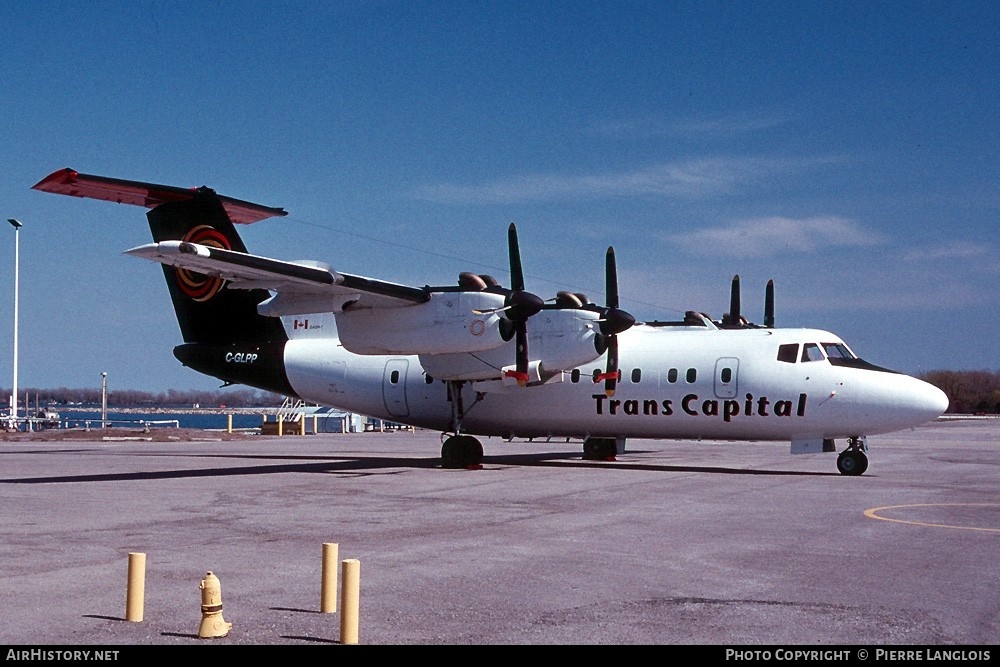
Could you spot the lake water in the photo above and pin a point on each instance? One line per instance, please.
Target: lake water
(74, 418)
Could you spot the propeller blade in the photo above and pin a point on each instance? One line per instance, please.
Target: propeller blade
(769, 305)
(611, 376)
(516, 274)
(520, 372)
(732, 318)
(611, 278)
(613, 319)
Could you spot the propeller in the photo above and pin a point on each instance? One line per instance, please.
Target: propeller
(612, 322)
(519, 305)
(733, 319)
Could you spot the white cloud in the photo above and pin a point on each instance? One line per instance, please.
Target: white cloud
(720, 126)
(953, 250)
(777, 235)
(692, 179)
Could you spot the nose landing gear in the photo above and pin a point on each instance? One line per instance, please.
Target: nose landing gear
(854, 460)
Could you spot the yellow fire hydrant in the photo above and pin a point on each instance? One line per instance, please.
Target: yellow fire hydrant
(212, 623)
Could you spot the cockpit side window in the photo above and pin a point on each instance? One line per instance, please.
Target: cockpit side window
(838, 351)
(788, 353)
(811, 352)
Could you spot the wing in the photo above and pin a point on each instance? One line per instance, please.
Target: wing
(300, 287)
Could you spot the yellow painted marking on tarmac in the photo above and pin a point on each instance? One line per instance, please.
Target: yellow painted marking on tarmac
(873, 514)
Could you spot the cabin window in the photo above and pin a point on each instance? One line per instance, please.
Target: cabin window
(636, 375)
(726, 375)
(394, 377)
(691, 376)
(672, 375)
(788, 353)
(575, 375)
(597, 374)
(811, 352)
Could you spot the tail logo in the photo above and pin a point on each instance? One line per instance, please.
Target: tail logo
(198, 286)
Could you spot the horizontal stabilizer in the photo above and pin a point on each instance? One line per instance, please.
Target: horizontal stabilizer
(298, 284)
(137, 193)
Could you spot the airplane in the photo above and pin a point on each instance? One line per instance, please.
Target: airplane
(476, 358)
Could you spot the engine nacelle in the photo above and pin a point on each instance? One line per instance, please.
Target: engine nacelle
(447, 323)
(557, 340)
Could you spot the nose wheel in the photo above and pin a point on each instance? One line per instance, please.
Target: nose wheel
(853, 461)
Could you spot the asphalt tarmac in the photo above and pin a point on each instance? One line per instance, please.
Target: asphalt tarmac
(697, 543)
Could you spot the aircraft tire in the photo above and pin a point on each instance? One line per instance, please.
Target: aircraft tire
(597, 449)
(461, 451)
(852, 462)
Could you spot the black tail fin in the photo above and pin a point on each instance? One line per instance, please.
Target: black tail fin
(206, 311)
(224, 335)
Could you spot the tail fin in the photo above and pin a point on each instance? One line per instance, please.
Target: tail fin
(224, 335)
(206, 311)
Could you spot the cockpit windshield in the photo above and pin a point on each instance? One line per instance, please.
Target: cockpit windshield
(838, 351)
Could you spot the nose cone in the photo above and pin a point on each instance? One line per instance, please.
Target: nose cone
(884, 402)
(935, 400)
(922, 401)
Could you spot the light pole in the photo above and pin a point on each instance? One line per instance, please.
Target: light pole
(104, 400)
(17, 262)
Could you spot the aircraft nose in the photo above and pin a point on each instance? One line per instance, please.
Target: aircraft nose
(939, 400)
(929, 400)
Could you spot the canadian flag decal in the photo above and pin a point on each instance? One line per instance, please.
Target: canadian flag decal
(301, 324)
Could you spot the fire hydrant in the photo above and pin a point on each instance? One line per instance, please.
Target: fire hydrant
(212, 623)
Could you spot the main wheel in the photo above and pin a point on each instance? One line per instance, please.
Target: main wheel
(461, 451)
(852, 462)
(598, 449)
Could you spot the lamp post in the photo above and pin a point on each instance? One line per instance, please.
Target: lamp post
(104, 400)
(17, 262)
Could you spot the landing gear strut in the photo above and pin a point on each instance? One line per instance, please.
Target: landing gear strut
(853, 460)
(459, 451)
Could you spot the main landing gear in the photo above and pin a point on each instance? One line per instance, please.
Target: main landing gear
(459, 451)
(854, 460)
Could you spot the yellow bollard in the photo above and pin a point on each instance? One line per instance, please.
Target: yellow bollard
(328, 592)
(349, 601)
(315, 424)
(229, 423)
(302, 424)
(212, 623)
(135, 595)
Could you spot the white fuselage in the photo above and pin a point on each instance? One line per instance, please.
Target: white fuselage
(676, 382)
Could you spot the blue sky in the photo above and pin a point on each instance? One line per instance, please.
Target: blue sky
(848, 150)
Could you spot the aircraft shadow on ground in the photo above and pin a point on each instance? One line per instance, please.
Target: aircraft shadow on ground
(383, 465)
